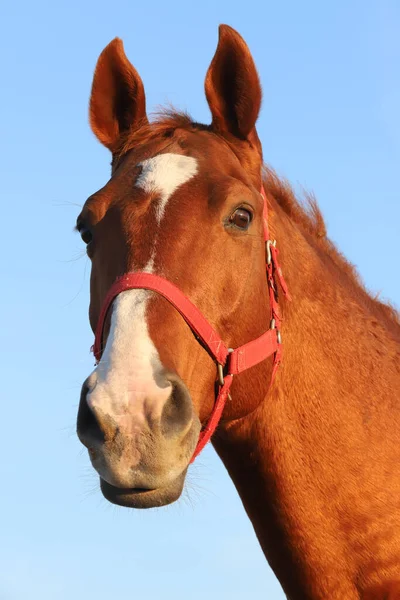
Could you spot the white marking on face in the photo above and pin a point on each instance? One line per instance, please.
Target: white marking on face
(130, 360)
(164, 174)
(126, 374)
(125, 386)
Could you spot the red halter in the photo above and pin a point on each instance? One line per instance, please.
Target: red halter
(229, 361)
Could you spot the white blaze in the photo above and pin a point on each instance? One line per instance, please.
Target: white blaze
(125, 380)
(125, 376)
(164, 174)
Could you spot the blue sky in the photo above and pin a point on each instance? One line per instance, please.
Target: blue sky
(330, 122)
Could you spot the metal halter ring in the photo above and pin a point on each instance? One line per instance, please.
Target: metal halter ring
(220, 370)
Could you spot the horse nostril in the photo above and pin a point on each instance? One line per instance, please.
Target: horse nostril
(88, 427)
(177, 413)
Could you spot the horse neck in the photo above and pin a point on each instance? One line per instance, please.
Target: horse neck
(304, 462)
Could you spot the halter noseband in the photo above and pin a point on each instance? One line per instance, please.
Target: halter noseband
(229, 361)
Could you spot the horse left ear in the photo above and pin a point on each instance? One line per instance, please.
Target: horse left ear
(232, 87)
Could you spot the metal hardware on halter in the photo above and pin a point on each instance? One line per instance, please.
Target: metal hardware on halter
(278, 331)
(220, 370)
(268, 245)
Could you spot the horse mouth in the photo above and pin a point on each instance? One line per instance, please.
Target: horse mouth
(143, 497)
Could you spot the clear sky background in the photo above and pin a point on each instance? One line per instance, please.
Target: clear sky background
(330, 122)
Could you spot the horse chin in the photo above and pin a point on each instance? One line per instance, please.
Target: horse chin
(143, 498)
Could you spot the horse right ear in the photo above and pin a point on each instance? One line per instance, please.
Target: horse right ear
(117, 102)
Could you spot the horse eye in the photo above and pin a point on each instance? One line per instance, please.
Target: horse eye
(85, 235)
(241, 218)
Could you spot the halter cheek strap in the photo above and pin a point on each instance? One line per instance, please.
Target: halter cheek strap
(229, 361)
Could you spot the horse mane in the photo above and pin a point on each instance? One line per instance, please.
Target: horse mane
(305, 213)
(308, 216)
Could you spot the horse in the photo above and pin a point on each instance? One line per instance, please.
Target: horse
(193, 319)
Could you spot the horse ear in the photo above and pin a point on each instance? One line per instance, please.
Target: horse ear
(118, 101)
(232, 86)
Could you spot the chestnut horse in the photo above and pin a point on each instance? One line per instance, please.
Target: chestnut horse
(315, 456)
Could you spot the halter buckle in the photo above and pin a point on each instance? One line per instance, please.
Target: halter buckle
(268, 245)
